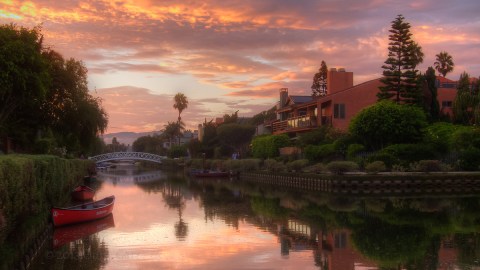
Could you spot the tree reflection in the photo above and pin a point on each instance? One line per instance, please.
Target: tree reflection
(87, 253)
(173, 198)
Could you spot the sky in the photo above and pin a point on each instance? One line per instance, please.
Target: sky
(230, 55)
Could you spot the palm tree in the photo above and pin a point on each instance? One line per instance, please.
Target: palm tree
(181, 103)
(444, 63)
(173, 130)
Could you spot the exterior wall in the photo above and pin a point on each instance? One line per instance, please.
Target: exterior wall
(355, 99)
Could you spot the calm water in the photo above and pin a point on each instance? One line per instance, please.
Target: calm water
(167, 221)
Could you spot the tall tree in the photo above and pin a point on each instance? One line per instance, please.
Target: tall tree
(444, 63)
(181, 103)
(431, 105)
(465, 101)
(319, 85)
(23, 76)
(399, 73)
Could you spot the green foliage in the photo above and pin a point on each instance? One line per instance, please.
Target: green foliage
(341, 167)
(297, 165)
(440, 135)
(235, 137)
(315, 168)
(324, 152)
(430, 100)
(429, 166)
(386, 123)
(268, 146)
(242, 165)
(180, 104)
(149, 144)
(466, 105)
(354, 149)
(388, 159)
(319, 85)
(469, 159)
(177, 151)
(399, 73)
(444, 63)
(269, 208)
(404, 154)
(273, 165)
(465, 137)
(29, 187)
(375, 167)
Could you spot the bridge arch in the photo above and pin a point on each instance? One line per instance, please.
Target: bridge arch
(127, 156)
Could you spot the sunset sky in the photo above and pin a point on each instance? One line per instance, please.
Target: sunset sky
(234, 55)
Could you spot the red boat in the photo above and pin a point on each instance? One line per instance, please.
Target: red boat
(66, 234)
(83, 212)
(83, 193)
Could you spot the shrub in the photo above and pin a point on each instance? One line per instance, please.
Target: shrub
(273, 165)
(267, 146)
(388, 159)
(429, 166)
(354, 149)
(469, 159)
(177, 151)
(320, 152)
(404, 154)
(340, 167)
(375, 167)
(316, 168)
(297, 165)
(250, 164)
(386, 123)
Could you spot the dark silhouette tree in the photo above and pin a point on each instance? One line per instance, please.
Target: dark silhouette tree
(444, 63)
(431, 105)
(181, 103)
(466, 101)
(399, 73)
(319, 85)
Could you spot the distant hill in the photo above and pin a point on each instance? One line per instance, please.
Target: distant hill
(127, 138)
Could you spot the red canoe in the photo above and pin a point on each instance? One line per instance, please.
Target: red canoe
(83, 212)
(66, 234)
(83, 193)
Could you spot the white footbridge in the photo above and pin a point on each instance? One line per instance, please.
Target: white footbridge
(127, 156)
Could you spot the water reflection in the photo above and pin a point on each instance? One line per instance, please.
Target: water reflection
(167, 220)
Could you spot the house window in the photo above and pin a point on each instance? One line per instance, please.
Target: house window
(339, 111)
(447, 104)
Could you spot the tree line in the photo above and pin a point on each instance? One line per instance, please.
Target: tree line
(45, 105)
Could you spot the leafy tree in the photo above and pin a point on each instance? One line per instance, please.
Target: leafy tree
(268, 146)
(319, 85)
(181, 103)
(466, 102)
(386, 123)
(235, 136)
(210, 139)
(263, 116)
(399, 71)
(23, 77)
(173, 130)
(430, 101)
(233, 118)
(149, 144)
(444, 63)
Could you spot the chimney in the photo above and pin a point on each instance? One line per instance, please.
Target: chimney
(338, 80)
(283, 97)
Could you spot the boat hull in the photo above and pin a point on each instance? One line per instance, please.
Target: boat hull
(66, 234)
(83, 193)
(83, 212)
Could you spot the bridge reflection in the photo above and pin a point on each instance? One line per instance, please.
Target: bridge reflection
(130, 176)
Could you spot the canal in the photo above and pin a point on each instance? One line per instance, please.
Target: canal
(165, 220)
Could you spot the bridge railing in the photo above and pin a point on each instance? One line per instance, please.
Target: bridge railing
(127, 155)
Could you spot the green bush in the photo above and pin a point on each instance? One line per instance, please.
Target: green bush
(273, 165)
(429, 166)
(340, 167)
(388, 159)
(386, 123)
(375, 167)
(316, 168)
(324, 152)
(267, 146)
(404, 154)
(297, 165)
(177, 151)
(353, 150)
(469, 159)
